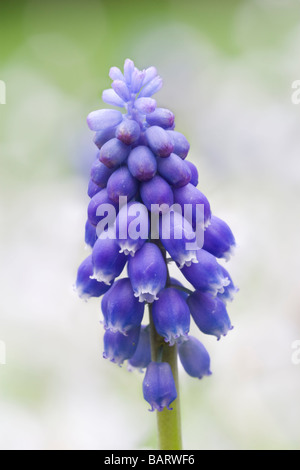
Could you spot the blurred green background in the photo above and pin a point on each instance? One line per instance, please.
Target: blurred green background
(228, 68)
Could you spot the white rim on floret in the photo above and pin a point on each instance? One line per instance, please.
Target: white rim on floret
(100, 276)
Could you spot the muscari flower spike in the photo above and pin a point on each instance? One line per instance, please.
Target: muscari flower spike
(142, 158)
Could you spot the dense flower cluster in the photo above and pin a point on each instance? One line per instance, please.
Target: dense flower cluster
(142, 160)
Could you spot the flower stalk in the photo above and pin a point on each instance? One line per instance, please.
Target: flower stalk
(168, 421)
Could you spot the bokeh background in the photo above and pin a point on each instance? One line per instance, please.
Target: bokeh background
(228, 68)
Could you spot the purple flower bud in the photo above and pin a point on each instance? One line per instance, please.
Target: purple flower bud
(85, 286)
(159, 387)
(142, 163)
(209, 314)
(142, 356)
(110, 97)
(101, 137)
(171, 315)
(194, 358)
(230, 290)
(207, 275)
(100, 198)
(137, 79)
(219, 239)
(191, 197)
(161, 117)
(145, 105)
(132, 227)
(108, 262)
(181, 145)
(152, 87)
(150, 73)
(148, 273)
(121, 90)
(174, 170)
(121, 183)
(128, 70)
(100, 173)
(128, 131)
(116, 74)
(194, 173)
(113, 153)
(121, 309)
(93, 189)
(156, 192)
(90, 234)
(178, 238)
(118, 347)
(159, 141)
(103, 119)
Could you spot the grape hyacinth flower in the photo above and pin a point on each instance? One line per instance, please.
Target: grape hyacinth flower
(159, 387)
(145, 210)
(194, 357)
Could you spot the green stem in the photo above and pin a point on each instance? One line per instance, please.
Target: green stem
(168, 421)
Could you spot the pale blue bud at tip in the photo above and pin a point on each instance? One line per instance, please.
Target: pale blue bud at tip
(150, 74)
(121, 90)
(103, 119)
(116, 74)
(171, 315)
(128, 70)
(159, 387)
(194, 358)
(110, 97)
(137, 78)
(152, 87)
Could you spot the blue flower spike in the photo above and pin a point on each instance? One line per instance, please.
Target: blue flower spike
(145, 210)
